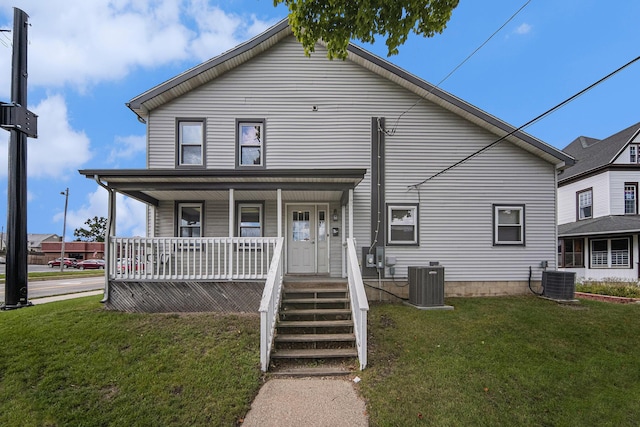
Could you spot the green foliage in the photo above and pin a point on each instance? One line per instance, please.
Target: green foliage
(97, 229)
(336, 22)
(507, 361)
(627, 291)
(71, 363)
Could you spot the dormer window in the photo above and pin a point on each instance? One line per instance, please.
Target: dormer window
(633, 153)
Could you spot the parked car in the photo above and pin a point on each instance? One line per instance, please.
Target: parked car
(68, 262)
(89, 264)
(128, 264)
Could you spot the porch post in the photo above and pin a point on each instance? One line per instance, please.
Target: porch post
(109, 250)
(344, 241)
(279, 212)
(231, 221)
(351, 213)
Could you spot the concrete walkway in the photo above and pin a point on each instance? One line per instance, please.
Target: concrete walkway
(44, 300)
(307, 402)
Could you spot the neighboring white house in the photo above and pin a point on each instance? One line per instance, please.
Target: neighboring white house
(263, 142)
(598, 221)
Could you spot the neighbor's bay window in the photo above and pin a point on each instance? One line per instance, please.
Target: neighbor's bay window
(585, 204)
(571, 253)
(190, 142)
(630, 198)
(250, 143)
(189, 219)
(607, 253)
(402, 224)
(508, 225)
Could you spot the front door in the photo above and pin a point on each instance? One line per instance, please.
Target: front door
(307, 245)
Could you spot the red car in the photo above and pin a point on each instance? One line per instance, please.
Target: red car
(87, 264)
(68, 262)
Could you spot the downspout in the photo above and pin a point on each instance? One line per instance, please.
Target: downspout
(107, 238)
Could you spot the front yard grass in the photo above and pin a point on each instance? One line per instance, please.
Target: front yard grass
(73, 363)
(508, 361)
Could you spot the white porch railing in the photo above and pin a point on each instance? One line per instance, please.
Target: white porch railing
(359, 303)
(193, 258)
(270, 304)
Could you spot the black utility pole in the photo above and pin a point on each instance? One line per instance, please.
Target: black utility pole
(21, 123)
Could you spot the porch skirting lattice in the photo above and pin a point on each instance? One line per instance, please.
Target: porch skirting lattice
(166, 296)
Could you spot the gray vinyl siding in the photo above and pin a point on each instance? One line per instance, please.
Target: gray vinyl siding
(282, 86)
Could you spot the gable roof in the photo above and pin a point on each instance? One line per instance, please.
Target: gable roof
(215, 67)
(604, 225)
(593, 154)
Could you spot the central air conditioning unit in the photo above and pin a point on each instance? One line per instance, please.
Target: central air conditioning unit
(559, 285)
(426, 286)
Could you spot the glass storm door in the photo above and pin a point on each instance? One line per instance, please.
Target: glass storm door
(301, 248)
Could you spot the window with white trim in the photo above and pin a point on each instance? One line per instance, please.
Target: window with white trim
(585, 204)
(508, 223)
(250, 140)
(250, 219)
(611, 253)
(190, 142)
(189, 219)
(630, 198)
(402, 224)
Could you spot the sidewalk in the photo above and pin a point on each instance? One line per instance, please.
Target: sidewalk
(308, 402)
(44, 300)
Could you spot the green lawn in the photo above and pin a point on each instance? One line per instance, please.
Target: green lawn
(509, 361)
(72, 363)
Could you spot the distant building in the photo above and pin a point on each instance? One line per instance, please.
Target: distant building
(78, 250)
(34, 241)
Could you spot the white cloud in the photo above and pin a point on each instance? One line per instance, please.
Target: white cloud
(130, 216)
(524, 29)
(127, 147)
(59, 149)
(80, 42)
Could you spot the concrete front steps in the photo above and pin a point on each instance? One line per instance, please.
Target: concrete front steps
(314, 332)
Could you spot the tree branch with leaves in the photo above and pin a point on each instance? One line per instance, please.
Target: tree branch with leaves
(95, 231)
(336, 22)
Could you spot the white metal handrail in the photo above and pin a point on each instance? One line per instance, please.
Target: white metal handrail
(359, 302)
(193, 258)
(270, 304)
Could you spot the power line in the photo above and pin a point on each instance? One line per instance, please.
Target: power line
(530, 122)
(395, 125)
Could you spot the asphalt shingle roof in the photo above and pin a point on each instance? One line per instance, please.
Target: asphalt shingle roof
(612, 224)
(592, 154)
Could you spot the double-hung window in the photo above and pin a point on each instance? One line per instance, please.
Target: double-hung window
(250, 143)
(508, 221)
(189, 219)
(190, 144)
(250, 219)
(634, 156)
(402, 224)
(606, 253)
(630, 198)
(585, 204)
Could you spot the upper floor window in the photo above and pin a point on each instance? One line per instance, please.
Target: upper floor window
(249, 220)
(630, 198)
(508, 224)
(189, 219)
(402, 228)
(634, 156)
(190, 142)
(585, 204)
(250, 143)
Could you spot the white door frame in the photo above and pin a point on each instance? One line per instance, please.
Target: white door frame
(315, 206)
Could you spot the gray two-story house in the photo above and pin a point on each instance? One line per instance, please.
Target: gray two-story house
(262, 145)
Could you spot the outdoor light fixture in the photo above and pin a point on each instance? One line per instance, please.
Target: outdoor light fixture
(335, 215)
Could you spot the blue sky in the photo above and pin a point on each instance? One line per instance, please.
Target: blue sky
(88, 58)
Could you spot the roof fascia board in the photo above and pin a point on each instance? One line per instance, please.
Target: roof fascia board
(597, 171)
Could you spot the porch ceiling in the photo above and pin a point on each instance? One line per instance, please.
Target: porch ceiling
(152, 185)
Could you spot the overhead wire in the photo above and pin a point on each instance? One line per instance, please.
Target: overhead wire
(395, 125)
(529, 123)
